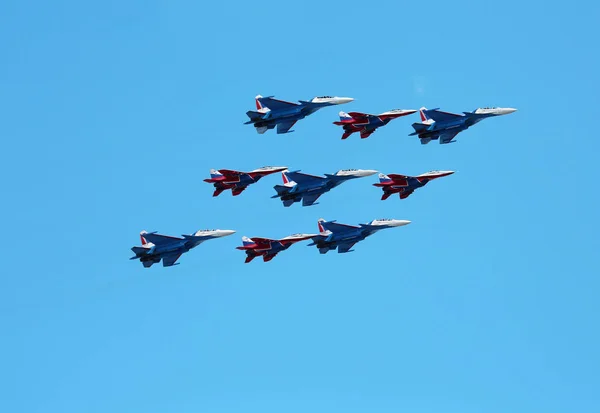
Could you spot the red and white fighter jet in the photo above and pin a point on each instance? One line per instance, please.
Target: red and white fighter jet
(404, 185)
(365, 123)
(269, 248)
(238, 181)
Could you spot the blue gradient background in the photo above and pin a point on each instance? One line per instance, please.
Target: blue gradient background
(114, 112)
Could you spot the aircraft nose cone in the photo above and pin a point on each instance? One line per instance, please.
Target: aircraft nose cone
(340, 101)
(401, 222)
(366, 172)
(227, 232)
(506, 111)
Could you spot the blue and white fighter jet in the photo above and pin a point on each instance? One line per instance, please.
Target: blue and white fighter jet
(156, 246)
(272, 112)
(343, 237)
(444, 126)
(308, 188)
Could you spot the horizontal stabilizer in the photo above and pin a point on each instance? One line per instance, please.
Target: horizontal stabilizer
(281, 189)
(139, 251)
(420, 127)
(254, 115)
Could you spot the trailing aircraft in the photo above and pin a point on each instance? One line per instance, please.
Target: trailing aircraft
(156, 246)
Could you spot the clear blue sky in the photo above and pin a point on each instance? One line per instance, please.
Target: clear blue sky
(113, 113)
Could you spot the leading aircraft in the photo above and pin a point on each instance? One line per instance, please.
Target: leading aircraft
(365, 123)
(343, 237)
(238, 181)
(444, 126)
(404, 185)
(269, 248)
(308, 188)
(156, 246)
(271, 112)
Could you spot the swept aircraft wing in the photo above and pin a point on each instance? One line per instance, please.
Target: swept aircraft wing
(308, 200)
(398, 177)
(284, 127)
(231, 174)
(169, 260)
(276, 104)
(301, 178)
(335, 227)
(158, 239)
(345, 247)
(439, 116)
(263, 242)
(360, 115)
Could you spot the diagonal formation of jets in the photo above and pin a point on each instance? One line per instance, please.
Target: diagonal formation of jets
(299, 187)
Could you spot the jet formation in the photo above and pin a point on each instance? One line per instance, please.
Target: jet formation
(404, 185)
(238, 181)
(298, 186)
(366, 124)
(444, 126)
(156, 246)
(271, 112)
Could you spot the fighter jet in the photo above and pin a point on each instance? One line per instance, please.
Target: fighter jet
(444, 126)
(272, 112)
(342, 237)
(308, 188)
(238, 181)
(404, 185)
(267, 247)
(156, 247)
(365, 123)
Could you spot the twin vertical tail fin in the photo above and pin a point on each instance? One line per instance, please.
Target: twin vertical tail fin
(344, 116)
(144, 242)
(383, 178)
(320, 225)
(424, 118)
(215, 174)
(247, 241)
(259, 105)
(286, 179)
(322, 229)
(145, 249)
